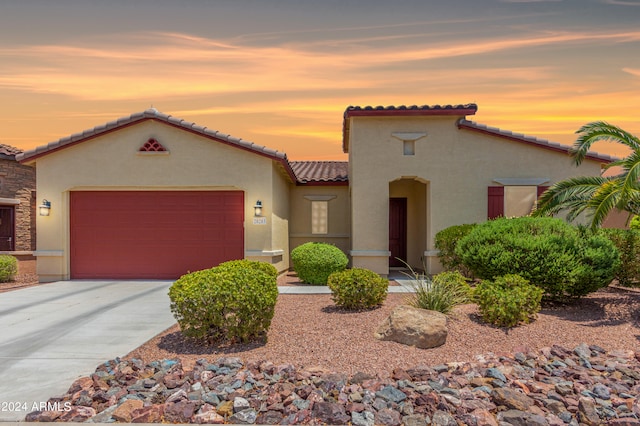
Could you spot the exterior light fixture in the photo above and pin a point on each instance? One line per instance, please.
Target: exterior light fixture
(258, 208)
(45, 208)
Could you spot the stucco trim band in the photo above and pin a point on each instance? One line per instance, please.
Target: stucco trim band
(263, 253)
(49, 253)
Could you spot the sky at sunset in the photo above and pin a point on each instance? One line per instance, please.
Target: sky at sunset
(281, 73)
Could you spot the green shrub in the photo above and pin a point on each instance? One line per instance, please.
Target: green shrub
(314, 262)
(446, 242)
(8, 268)
(635, 222)
(441, 293)
(229, 303)
(563, 260)
(627, 241)
(508, 301)
(358, 288)
(265, 267)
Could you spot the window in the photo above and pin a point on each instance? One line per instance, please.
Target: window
(319, 217)
(519, 200)
(513, 200)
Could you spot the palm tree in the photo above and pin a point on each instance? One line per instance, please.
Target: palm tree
(597, 196)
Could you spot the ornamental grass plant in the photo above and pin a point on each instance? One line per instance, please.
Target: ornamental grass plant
(441, 293)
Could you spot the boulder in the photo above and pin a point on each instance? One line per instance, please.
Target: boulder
(414, 327)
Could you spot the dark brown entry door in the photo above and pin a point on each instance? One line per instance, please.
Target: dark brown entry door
(397, 231)
(7, 227)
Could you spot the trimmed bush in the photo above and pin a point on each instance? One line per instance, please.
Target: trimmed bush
(255, 265)
(508, 301)
(8, 268)
(563, 260)
(231, 303)
(314, 262)
(446, 242)
(634, 223)
(442, 293)
(627, 241)
(358, 288)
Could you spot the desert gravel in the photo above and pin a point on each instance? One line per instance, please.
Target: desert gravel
(309, 331)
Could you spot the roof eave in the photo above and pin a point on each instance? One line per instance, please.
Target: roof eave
(29, 157)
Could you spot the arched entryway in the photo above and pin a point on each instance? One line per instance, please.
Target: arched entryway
(408, 221)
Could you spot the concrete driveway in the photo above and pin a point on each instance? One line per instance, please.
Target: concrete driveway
(54, 333)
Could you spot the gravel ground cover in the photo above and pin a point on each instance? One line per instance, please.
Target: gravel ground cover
(309, 331)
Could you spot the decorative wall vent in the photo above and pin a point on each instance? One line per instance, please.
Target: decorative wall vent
(152, 145)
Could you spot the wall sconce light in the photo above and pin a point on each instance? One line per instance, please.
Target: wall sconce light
(45, 208)
(258, 208)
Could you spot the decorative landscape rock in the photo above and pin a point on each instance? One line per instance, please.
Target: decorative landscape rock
(554, 386)
(414, 327)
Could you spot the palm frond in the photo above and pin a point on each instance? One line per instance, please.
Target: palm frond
(604, 200)
(568, 194)
(600, 131)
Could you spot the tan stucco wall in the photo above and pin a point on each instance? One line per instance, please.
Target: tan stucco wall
(276, 249)
(112, 162)
(339, 216)
(458, 166)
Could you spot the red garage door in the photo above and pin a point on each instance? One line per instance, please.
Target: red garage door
(153, 234)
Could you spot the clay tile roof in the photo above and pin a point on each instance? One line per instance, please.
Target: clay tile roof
(8, 151)
(401, 111)
(519, 137)
(154, 114)
(320, 171)
(460, 109)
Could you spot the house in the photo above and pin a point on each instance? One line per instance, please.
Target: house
(17, 205)
(154, 196)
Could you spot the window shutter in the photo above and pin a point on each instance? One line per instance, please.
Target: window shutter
(541, 189)
(495, 202)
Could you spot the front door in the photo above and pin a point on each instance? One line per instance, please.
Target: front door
(397, 231)
(6, 228)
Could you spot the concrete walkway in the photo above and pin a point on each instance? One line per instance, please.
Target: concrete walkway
(404, 287)
(54, 333)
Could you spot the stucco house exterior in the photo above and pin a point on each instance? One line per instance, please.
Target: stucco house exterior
(154, 196)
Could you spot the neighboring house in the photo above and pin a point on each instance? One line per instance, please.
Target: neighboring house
(154, 196)
(17, 205)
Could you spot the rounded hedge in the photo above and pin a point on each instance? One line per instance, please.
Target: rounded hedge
(508, 301)
(314, 262)
(358, 288)
(265, 267)
(227, 303)
(8, 268)
(565, 261)
(446, 242)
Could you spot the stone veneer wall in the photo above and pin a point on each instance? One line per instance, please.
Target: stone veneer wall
(18, 182)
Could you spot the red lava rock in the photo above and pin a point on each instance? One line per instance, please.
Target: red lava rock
(150, 414)
(82, 383)
(43, 416)
(179, 412)
(124, 412)
(77, 414)
(444, 394)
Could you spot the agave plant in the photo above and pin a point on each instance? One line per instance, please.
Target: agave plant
(597, 196)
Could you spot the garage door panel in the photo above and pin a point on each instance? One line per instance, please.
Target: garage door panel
(154, 234)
